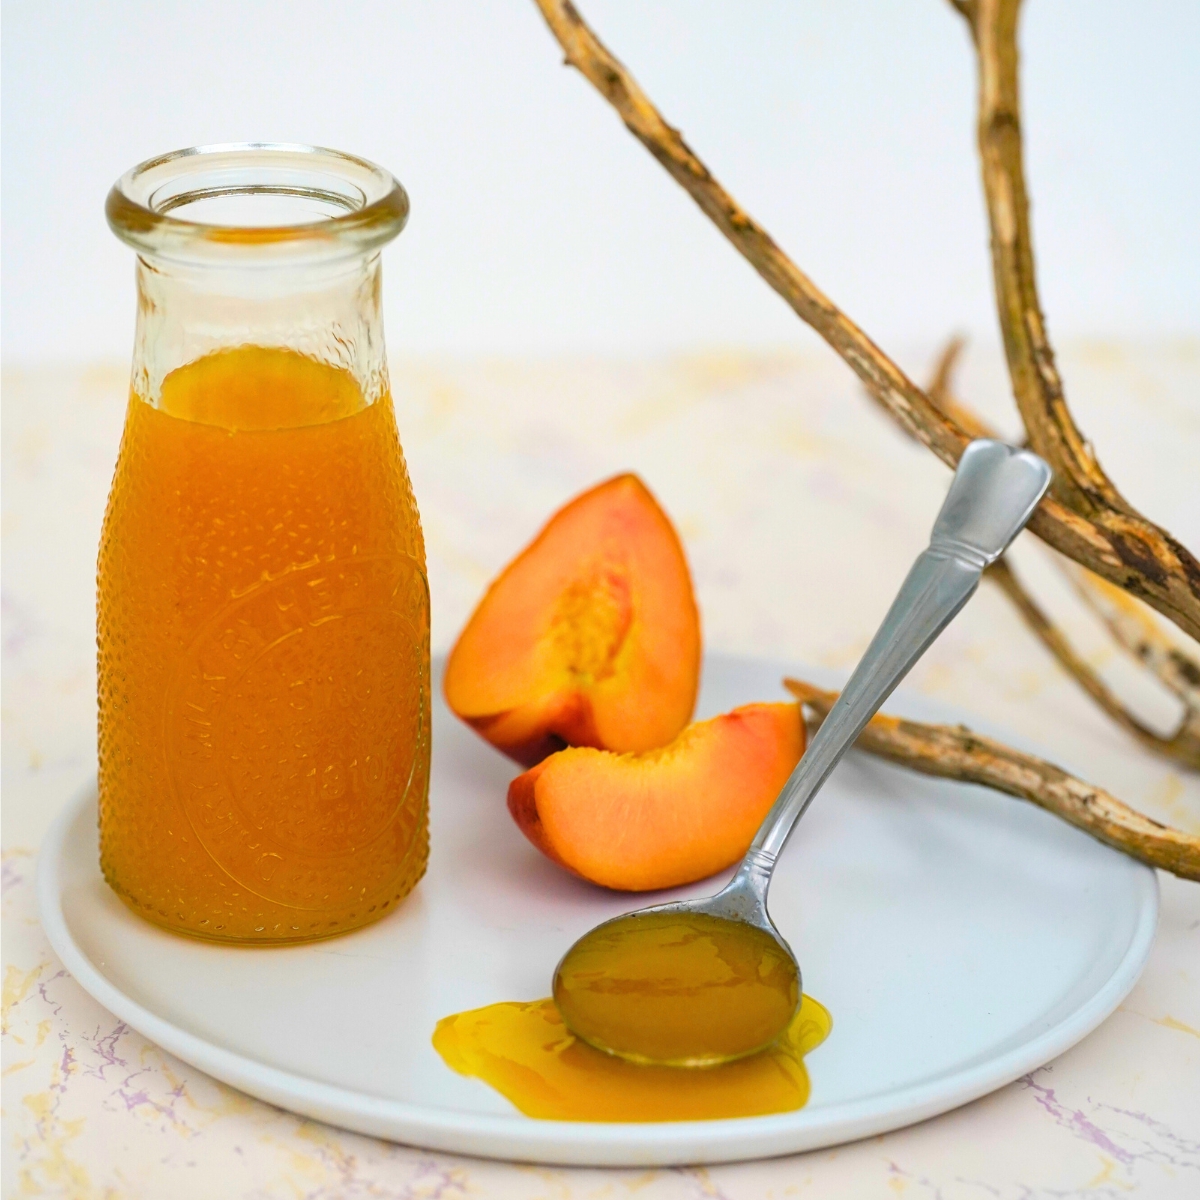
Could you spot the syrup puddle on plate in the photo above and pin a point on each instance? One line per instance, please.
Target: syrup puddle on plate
(527, 1054)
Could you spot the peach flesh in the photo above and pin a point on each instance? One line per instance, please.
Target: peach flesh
(639, 822)
(590, 637)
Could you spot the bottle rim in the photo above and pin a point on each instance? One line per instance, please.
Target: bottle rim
(359, 205)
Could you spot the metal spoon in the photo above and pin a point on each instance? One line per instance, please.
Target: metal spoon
(625, 987)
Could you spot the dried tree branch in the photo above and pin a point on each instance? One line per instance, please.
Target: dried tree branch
(883, 378)
(1135, 629)
(954, 752)
(1183, 746)
(1079, 480)
(967, 9)
(1037, 386)
(1119, 547)
(940, 391)
(1131, 626)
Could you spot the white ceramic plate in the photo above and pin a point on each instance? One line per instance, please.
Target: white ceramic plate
(959, 938)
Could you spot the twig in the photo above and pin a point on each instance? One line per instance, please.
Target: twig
(954, 752)
(941, 394)
(1079, 480)
(967, 9)
(1183, 746)
(1131, 626)
(1135, 629)
(1037, 385)
(1120, 546)
(885, 381)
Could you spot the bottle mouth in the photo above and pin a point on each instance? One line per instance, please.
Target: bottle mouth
(256, 201)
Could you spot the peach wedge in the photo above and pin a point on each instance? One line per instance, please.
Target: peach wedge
(590, 637)
(639, 822)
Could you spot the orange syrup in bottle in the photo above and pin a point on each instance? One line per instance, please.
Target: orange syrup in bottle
(263, 631)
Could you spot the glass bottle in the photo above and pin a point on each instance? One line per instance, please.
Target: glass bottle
(263, 609)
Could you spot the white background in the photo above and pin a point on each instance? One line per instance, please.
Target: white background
(540, 226)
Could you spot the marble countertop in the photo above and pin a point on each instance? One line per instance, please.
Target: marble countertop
(801, 508)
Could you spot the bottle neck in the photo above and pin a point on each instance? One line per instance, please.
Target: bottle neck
(328, 311)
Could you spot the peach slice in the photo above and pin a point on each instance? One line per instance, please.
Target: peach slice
(638, 822)
(589, 637)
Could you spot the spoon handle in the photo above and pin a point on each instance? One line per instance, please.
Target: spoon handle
(993, 494)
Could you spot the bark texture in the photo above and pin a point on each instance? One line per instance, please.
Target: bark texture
(954, 752)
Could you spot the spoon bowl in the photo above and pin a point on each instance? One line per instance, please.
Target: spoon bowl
(700, 982)
(683, 985)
